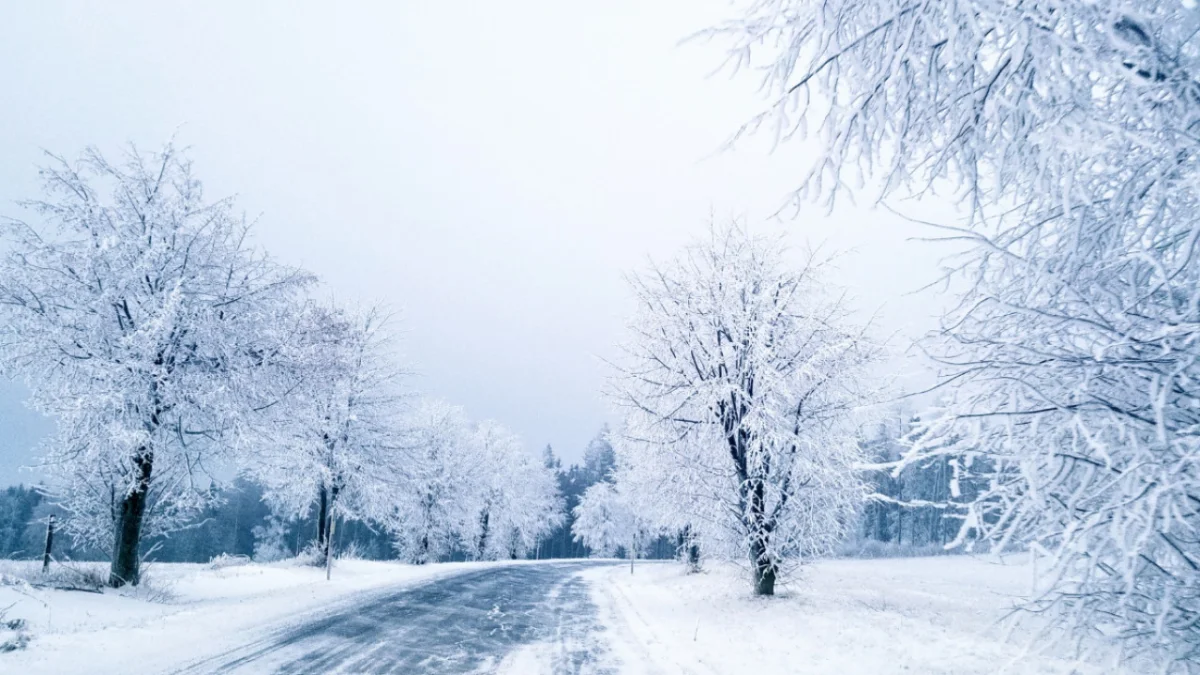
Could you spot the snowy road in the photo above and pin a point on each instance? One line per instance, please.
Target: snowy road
(472, 622)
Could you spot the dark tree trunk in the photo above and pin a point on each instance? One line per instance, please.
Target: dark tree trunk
(760, 532)
(126, 563)
(764, 573)
(483, 534)
(327, 531)
(322, 515)
(751, 495)
(881, 522)
(423, 555)
(689, 550)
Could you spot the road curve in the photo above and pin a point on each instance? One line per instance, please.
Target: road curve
(465, 623)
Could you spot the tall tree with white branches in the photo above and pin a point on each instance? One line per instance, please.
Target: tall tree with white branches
(437, 509)
(517, 497)
(607, 519)
(147, 326)
(336, 441)
(742, 378)
(1068, 128)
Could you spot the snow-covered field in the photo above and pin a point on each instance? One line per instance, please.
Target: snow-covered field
(914, 615)
(191, 612)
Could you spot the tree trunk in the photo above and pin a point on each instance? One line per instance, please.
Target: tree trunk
(328, 529)
(689, 550)
(322, 515)
(760, 532)
(764, 569)
(423, 552)
(126, 563)
(329, 549)
(483, 534)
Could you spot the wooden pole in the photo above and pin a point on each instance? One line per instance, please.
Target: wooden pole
(49, 544)
(329, 547)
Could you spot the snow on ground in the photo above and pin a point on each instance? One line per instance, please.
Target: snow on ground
(188, 612)
(912, 615)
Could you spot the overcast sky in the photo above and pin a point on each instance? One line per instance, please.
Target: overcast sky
(489, 169)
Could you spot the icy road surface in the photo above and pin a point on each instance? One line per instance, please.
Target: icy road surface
(465, 623)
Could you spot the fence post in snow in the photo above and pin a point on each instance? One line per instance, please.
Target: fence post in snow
(49, 544)
(329, 547)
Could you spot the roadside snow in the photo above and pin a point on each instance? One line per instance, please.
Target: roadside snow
(196, 611)
(914, 615)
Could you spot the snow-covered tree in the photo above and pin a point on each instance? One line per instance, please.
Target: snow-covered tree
(660, 481)
(437, 509)
(336, 440)
(599, 459)
(573, 481)
(740, 384)
(146, 325)
(536, 509)
(1068, 128)
(518, 500)
(606, 520)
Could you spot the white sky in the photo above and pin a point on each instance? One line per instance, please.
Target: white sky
(489, 169)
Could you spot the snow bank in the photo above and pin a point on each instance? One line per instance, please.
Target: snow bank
(918, 615)
(191, 612)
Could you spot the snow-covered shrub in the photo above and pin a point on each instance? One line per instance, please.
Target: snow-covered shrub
(351, 552)
(270, 541)
(226, 560)
(312, 555)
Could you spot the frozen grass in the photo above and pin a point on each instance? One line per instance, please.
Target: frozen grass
(67, 575)
(89, 577)
(908, 615)
(13, 633)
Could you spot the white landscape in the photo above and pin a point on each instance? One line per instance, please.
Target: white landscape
(501, 337)
(193, 611)
(919, 615)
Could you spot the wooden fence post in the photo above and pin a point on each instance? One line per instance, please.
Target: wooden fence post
(49, 544)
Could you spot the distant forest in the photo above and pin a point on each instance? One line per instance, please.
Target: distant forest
(241, 523)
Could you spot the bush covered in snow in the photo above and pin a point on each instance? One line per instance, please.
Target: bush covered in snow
(225, 560)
